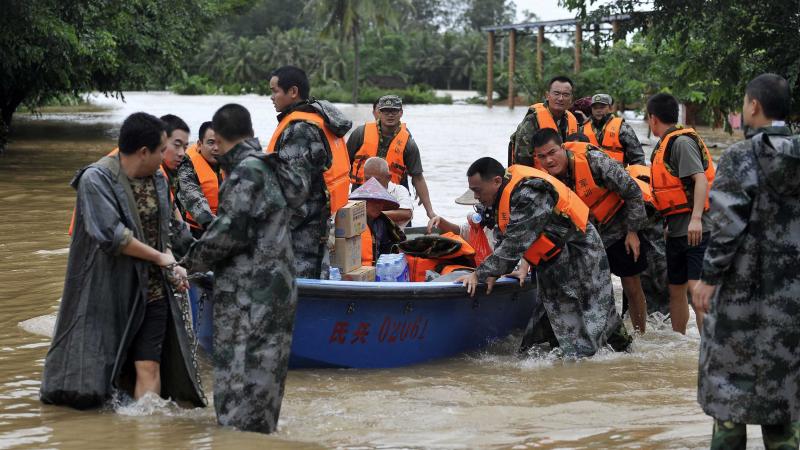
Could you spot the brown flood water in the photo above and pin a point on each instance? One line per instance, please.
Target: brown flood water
(491, 399)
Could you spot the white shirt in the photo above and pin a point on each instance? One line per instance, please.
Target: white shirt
(401, 194)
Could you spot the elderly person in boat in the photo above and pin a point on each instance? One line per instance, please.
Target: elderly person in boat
(378, 168)
(539, 219)
(382, 234)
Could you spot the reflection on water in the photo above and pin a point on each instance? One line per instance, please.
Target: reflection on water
(491, 399)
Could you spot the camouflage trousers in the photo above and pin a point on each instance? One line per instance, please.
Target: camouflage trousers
(575, 289)
(654, 279)
(732, 436)
(310, 248)
(252, 343)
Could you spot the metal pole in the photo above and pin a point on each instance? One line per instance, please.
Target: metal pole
(578, 42)
(512, 57)
(540, 52)
(490, 71)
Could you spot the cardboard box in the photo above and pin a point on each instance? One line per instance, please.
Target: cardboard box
(351, 219)
(363, 273)
(347, 254)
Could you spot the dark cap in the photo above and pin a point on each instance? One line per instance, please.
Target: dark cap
(602, 98)
(390, 102)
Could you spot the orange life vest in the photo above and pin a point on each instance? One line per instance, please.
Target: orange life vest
(602, 202)
(568, 204)
(367, 248)
(641, 175)
(209, 182)
(610, 145)
(668, 193)
(369, 148)
(418, 265)
(112, 153)
(579, 147)
(545, 119)
(336, 176)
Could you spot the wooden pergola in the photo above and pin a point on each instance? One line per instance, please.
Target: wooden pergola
(540, 28)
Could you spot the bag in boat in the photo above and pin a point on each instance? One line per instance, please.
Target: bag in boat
(444, 254)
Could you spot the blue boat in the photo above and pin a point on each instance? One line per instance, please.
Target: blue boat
(380, 325)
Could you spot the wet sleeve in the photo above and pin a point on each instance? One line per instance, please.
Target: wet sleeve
(100, 210)
(529, 212)
(354, 142)
(191, 194)
(231, 232)
(411, 158)
(634, 154)
(523, 148)
(685, 157)
(613, 177)
(731, 203)
(303, 157)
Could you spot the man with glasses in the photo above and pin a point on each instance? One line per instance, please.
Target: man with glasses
(553, 113)
(389, 139)
(199, 178)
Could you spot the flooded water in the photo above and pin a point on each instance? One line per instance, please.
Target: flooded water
(492, 399)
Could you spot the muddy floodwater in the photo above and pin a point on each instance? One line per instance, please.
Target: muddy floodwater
(491, 399)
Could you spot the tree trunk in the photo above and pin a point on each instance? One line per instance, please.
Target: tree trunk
(9, 106)
(356, 64)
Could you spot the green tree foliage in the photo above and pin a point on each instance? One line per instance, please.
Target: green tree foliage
(348, 19)
(49, 47)
(707, 50)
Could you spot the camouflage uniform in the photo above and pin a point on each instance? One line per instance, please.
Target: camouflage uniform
(654, 280)
(191, 195)
(521, 143)
(749, 368)
(304, 155)
(575, 286)
(608, 174)
(632, 148)
(255, 295)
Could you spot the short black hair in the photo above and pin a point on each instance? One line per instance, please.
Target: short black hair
(487, 168)
(578, 137)
(375, 104)
(203, 128)
(772, 92)
(664, 106)
(232, 122)
(289, 76)
(561, 79)
(140, 130)
(173, 123)
(544, 136)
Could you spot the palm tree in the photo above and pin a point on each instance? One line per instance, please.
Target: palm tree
(468, 56)
(347, 19)
(244, 62)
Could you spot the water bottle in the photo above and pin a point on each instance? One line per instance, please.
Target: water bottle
(403, 268)
(334, 274)
(477, 218)
(380, 271)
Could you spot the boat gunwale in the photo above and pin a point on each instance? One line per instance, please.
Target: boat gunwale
(346, 290)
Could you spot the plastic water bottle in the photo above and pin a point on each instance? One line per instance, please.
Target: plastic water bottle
(380, 271)
(403, 276)
(477, 218)
(334, 274)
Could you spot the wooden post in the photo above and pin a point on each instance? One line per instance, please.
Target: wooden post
(540, 52)
(490, 71)
(615, 30)
(597, 39)
(512, 58)
(578, 42)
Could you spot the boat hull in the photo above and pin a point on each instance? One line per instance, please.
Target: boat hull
(381, 325)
